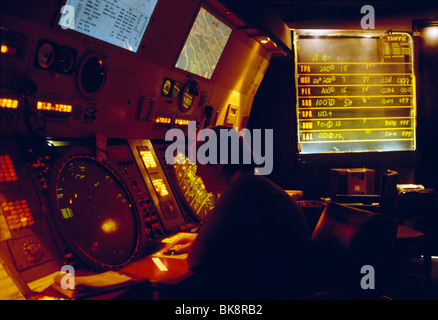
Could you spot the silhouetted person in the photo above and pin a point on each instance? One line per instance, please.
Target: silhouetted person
(255, 243)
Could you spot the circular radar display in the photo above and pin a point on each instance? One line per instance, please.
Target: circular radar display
(96, 211)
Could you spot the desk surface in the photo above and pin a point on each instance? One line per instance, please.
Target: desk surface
(156, 269)
(164, 271)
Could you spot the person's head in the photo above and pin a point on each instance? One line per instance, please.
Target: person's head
(221, 153)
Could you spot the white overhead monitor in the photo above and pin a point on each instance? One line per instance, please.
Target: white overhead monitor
(118, 22)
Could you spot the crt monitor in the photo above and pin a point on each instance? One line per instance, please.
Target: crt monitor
(96, 213)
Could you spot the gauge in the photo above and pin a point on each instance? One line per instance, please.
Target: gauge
(32, 251)
(176, 89)
(45, 55)
(166, 91)
(186, 98)
(65, 60)
(92, 74)
(53, 57)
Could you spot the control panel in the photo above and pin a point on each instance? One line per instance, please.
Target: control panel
(158, 185)
(120, 155)
(64, 206)
(26, 243)
(100, 209)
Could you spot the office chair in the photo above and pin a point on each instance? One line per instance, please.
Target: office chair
(415, 211)
(344, 240)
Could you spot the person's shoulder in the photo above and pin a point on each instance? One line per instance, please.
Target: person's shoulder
(253, 184)
(254, 179)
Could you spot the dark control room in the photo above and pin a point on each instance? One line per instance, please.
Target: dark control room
(218, 150)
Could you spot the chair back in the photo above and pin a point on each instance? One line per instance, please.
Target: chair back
(346, 239)
(413, 204)
(418, 206)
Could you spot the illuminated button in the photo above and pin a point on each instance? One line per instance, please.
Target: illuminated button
(7, 170)
(7, 50)
(148, 159)
(160, 187)
(17, 214)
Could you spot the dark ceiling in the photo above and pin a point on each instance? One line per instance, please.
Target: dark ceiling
(306, 10)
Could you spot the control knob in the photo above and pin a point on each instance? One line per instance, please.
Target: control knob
(32, 250)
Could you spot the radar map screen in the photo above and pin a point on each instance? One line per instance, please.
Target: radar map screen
(192, 188)
(97, 213)
(204, 45)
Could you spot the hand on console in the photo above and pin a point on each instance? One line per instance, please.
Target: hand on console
(180, 246)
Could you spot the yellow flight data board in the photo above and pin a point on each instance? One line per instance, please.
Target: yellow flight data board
(355, 92)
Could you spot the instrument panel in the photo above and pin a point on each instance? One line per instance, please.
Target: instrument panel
(26, 240)
(101, 206)
(95, 207)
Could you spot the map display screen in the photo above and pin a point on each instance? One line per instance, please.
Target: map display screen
(204, 45)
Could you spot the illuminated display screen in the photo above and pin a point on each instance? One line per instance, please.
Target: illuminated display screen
(204, 45)
(56, 107)
(193, 189)
(7, 170)
(181, 122)
(97, 212)
(8, 103)
(355, 93)
(164, 120)
(119, 22)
